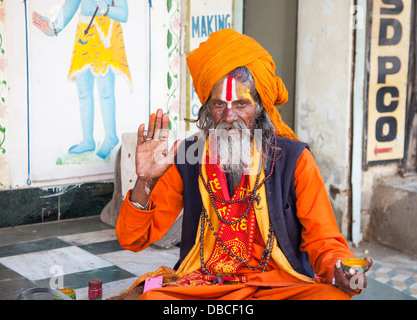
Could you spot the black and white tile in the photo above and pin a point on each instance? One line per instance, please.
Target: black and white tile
(72, 260)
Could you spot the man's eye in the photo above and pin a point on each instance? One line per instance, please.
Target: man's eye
(219, 103)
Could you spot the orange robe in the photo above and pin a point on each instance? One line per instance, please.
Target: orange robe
(321, 239)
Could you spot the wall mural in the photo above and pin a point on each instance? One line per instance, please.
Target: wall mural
(98, 56)
(3, 102)
(76, 109)
(173, 35)
(93, 54)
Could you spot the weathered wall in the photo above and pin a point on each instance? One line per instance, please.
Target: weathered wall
(388, 197)
(323, 94)
(278, 35)
(393, 219)
(371, 178)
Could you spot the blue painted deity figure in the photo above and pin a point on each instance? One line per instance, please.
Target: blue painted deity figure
(98, 56)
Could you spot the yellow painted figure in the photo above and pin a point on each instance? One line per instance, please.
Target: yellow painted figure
(100, 50)
(98, 55)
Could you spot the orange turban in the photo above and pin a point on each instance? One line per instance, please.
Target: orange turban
(226, 50)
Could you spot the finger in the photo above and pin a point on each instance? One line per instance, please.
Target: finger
(370, 263)
(41, 24)
(364, 281)
(165, 127)
(151, 126)
(36, 15)
(158, 124)
(338, 273)
(141, 134)
(36, 19)
(358, 282)
(173, 152)
(340, 277)
(35, 23)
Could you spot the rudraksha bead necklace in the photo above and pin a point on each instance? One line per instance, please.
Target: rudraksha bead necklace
(266, 254)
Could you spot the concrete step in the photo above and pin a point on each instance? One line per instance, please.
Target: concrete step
(393, 220)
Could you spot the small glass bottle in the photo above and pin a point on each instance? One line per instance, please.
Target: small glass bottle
(95, 289)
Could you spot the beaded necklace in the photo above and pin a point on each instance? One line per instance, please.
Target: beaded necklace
(266, 254)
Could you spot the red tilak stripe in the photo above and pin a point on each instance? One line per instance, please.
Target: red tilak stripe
(229, 89)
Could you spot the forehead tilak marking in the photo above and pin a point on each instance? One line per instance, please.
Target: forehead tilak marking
(229, 91)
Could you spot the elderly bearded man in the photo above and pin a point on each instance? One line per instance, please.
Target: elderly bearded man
(257, 220)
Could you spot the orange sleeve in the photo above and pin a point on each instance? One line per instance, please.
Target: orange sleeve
(321, 237)
(137, 229)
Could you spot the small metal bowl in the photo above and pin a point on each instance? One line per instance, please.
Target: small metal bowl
(358, 264)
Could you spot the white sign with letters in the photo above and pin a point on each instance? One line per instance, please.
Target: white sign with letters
(388, 78)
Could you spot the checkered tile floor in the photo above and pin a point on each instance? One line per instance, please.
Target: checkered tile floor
(83, 249)
(397, 276)
(391, 268)
(74, 259)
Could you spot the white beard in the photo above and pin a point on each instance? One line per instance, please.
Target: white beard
(234, 148)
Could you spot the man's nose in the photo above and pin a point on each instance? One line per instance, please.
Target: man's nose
(230, 115)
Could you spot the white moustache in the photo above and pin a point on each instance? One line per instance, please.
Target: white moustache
(233, 142)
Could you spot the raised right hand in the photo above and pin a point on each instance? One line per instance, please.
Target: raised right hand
(152, 158)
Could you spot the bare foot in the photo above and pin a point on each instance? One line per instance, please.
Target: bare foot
(84, 146)
(107, 147)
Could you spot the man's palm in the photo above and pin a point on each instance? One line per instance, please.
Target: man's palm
(152, 158)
